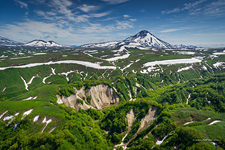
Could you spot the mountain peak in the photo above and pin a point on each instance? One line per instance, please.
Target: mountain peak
(143, 32)
(143, 39)
(42, 43)
(7, 42)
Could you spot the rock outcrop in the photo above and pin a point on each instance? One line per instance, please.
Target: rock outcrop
(130, 119)
(145, 122)
(101, 96)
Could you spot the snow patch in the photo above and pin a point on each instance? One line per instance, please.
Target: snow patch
(3, 114)
(46, 78)
(25, 83)
(120, 50)
(26, 113)
(218, 64)
(66, 74)
(188, 98)
(214, 122)
(4, 89)
(29, 98)
(46, 123)
(52, 130)
(160, 142)
(204, 67)
(188, 123)
(119, 57)
(53, 71)
(39, 53)
(186, 53)
(31, 80)
(36, 118)
(84, 63)
(127, 66)
(172, 62)
(186, 68)
(121, 141)
(8, 118)
(21, 57)
(144, 71)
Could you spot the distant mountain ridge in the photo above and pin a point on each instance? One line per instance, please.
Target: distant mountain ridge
(7, 42)
(42, 43)
(186, 46)
(143, 39)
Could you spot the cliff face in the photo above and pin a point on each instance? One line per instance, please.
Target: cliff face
(130, 119)
(145, 122)
(101, 96)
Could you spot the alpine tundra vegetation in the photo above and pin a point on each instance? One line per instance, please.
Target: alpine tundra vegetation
(112, 75)
(157, 98)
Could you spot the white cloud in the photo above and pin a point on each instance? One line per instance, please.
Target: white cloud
(126, 16)
(29, 30)
(64, 11)
(215, 8)
(123, 25)
(98, 28)
(88, 8)
(22, 4)
(171, 11)
(173, 30)
(169, 30)
(115, 1)
(133, 20)
(97, 15)
(110, 18)
(187, 6)
(192, 5)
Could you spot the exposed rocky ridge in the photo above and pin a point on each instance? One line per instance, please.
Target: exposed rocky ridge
(130, 119)
(146, 121)
(101, 96)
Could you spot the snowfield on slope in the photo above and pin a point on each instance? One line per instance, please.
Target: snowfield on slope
(218, 64)
(84, 63)
(119, 57)
(172, 62)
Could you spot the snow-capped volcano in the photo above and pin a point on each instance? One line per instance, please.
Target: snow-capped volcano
(146, 39)
(41, 43)
(142, 39)
(8, 42)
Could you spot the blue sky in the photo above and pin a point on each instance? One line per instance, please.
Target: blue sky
(76, 22)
